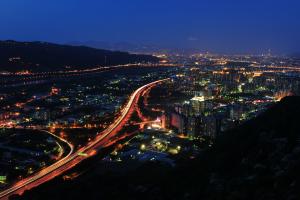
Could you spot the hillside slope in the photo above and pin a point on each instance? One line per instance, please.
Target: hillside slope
(41, 56)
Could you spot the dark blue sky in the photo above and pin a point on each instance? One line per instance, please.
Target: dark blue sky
(216, 25)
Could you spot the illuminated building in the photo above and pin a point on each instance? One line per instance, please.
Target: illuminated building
(178, 122)
(198, 104)
(194, 126)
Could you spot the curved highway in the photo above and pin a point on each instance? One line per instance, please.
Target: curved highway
(74, 158)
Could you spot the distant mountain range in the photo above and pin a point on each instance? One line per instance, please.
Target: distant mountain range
(295, 55)
(135, 48)
(43, 56)
(118, 46)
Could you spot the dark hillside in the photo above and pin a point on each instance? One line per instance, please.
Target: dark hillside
(41, 56)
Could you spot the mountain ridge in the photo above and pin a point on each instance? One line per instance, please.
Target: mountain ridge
(45, 56)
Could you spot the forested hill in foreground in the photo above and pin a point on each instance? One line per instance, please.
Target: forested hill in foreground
(41, 56)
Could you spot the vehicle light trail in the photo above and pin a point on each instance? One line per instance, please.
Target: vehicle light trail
(74, 158)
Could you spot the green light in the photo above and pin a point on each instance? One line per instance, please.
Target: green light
(82, 154)
(2, 178)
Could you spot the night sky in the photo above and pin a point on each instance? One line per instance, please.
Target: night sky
(227, 26)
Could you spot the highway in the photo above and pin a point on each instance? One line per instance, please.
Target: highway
(63, 140)
(14, 79)
(74, 157)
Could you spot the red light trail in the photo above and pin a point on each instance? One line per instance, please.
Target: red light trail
(73, 159)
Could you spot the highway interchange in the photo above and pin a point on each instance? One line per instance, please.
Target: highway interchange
(75, 157)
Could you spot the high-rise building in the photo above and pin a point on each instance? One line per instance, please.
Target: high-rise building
(194, 126)
(178, 121)
(198, 104)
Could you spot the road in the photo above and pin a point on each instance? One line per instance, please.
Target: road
(16, 80)
(62, 140)
(74, 158)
